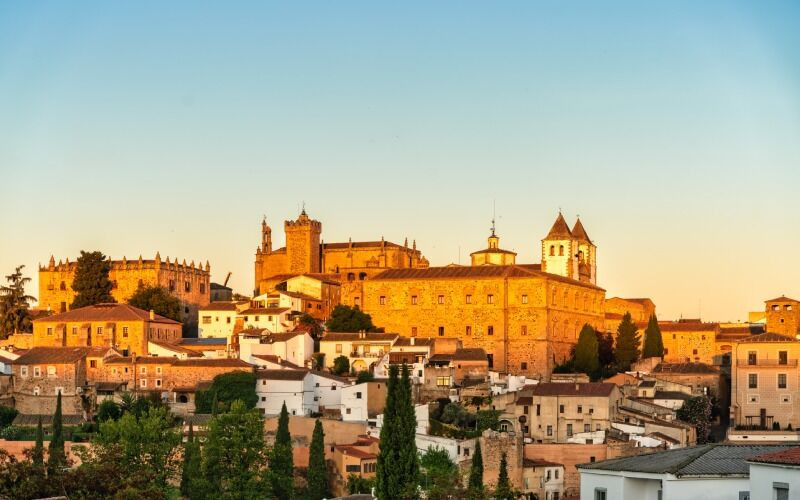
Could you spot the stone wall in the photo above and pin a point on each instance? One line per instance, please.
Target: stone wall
(569, 455)
(67, 378)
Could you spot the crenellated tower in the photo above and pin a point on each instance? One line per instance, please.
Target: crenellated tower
(303, 244)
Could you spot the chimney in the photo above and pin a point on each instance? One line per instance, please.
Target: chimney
(152, 315)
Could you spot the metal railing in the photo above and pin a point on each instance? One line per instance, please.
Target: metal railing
(768, 362)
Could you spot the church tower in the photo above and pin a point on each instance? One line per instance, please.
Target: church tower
(266, 237)
(559, 250)
(303, 244)
(586, 255)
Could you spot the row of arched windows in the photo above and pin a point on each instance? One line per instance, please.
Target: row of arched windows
(575, 302)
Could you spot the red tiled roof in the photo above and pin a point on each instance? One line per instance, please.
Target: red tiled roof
(493, 250)
(560, 230)
(671, 326)
(470, 354)
(277, 360)
(358, 244)
(213, 362)
(105, 312)
(281, 374)
(785, 457)
(768, 337)
(354, 452)
(568, 389)
(535, 462)
(579, 232)
(58, 355)
(264, 310)
(685, 368)
(418, 342)
(298, 295)
(475, 272)
(354, 337)
(783, 298)
(222, 306)
(176, 348)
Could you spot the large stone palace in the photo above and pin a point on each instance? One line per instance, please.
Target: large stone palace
(188, 282)
(306, 253)
(526, 317)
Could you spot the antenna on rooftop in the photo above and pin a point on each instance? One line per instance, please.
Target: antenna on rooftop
(494, 215)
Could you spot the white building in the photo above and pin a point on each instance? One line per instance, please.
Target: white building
(217, 319)
(6, 360)
(295, 347)
(293, 387)
(707, 472)
(776, 476)
(363, 350)
(274, 319)
(329, 390)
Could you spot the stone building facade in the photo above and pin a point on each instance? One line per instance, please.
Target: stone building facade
(188, 282)
(783, 316)
(689, 340)
(305, 253)
(121, 326)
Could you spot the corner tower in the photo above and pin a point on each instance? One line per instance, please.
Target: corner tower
(303, 244)
(586, 254)
(559, 250)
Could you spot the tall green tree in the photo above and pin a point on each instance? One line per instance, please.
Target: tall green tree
(227, 388)
(56, 456)
(157, 299)
(317, 471)
(503, 489)
(91, 283)
(587, 359)
(697, 411)
(653, 343)
(313, 325)
(192, 465)
(605, 348)
(626, 350)
(281, 462)
(408, 458)
(15, 315)
(349, 319)
(387, 477)
(234, 457)
(439, 476)
(38, 450)
(341, 365)
(475, 486)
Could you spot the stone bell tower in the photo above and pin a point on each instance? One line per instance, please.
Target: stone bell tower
(303, 244)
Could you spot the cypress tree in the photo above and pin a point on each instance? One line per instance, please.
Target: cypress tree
(503, 490)
(214, 405)
(653, 343)
(475, 486)
(408, 466)
(317, 472)
(91, 283)
(626, 350)
(387, 483)
(191, 463)
(38, 450)
(56, 456)
(587, 358)
(282, 462)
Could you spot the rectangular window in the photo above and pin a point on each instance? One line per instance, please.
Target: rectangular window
(441, 331)
(338, 348)
(587, 427)
(49, 330)
(524, 330)
(358, 395)
(752, 381)
(413, 300)
(443, 381)
(382, 300)
(468, 330)
(600, 494)
(37, 371)
(580, 408)
(74, 330)
(781, 381)
(780, 491)
(142, 382)
(490, 299)
(440, 299)
(92, 363)
(490, 359)
(413, 331)
(23, 371)
(158, 370)
(550, 430)
(489, 330)
(206, 320)
(561, 409)
(524, 366)
(99, 330)
(524, 298)
(569, 430)
(158, 382)
(538, 410)
(783, 357)
(468, 299)
(143, 370)
(125, 332)
(752, 358)
(187, 286)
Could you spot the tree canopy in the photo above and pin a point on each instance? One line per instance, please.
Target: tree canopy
(159, 300)
(587, 358)
(281, 461)
(475, 486)
(397, 470)
(91, 283)
(227, 388)
(341, 365)
(317, 471)
(626, 350)
(653, 343)
(14, 304)
(697, 411)
(349, 319)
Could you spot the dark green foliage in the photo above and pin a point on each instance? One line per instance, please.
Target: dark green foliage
(192, 465)
(503, 489)
(234, 457)
(586, 352)
(226, 388)
(7, 415)
(408, 459)
(357, 484)
(439, 476)
(314, 327)
(349, 319)
(37, 456)
(56, 456)
(386, 478)
(14, 313)
(317, 472)
(319, 361)
(364, 376)
(108, 410)
(157, 299)
(605, 348)
(626, 350)
(697, 411)
(653, 343)
(475, 486)
(91, 283)
(281, 463)
(341, 365)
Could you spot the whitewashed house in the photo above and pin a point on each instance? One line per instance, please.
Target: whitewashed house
(293, 387)
(294, 347)
(776, 475)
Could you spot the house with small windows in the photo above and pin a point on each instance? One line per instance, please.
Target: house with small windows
(295, 347)
(359, 458)
(295, 388)
(218, 319)
(42, 373)
(775, 475)
(273, 319)
(543, 478)
(764, 386)
(411, 351)
(362, 402)
(363, 349)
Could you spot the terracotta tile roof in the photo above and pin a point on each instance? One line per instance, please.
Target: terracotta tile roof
(685, 368)
(223, 306)
(203, 341)
(281, 374)
(535, 462)
(524, 401)
(282, 337)
(768, 337)
(277, 361)
(298, 295)
(741, 330)
(354, 337)
(560, 230)
(331, 376)
(783, 298)
(672, 395)
(783, 457)
(418, 342)
(595, 389)
(355, 452)
(470, 354)
(23, 420)
(105, 312)
(579, 232)
(681, 326)
(493, 250)
(176, 348)
(358, 244)
(57, 355)
(142, 360)
(213, 362)
(663, 437)
(264, 310)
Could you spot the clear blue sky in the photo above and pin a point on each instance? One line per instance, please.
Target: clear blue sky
(672, 129)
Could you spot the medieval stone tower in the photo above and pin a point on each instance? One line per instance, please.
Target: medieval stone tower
(303, 244)
(569, 253)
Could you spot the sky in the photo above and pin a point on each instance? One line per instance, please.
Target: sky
(672, 129)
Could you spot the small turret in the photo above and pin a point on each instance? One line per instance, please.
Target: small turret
(52, 265)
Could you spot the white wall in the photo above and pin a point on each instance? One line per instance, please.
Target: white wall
(222, 323)
(762, 477)
(422, 412)
(328, 391)
(298, 395)
(354, 408)
(455, 448)
(706, 489)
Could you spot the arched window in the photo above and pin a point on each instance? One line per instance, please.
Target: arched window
(552, 250)
(362, 276)
(561, 250)
(585, 302)
(555, 296)
(183, 398)
(577, 301)
(351, 276)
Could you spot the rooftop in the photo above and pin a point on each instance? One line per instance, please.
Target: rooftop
(281, 374)
(365, 336)
(685, 368)
(782, 457)
(594, 389)
(42, 355)
(768, 337)
(783, 298)
(209, 341)
(697, 461)
(105, 312)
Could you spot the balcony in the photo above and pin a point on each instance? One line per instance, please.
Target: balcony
(768, 363)
(366, 354)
